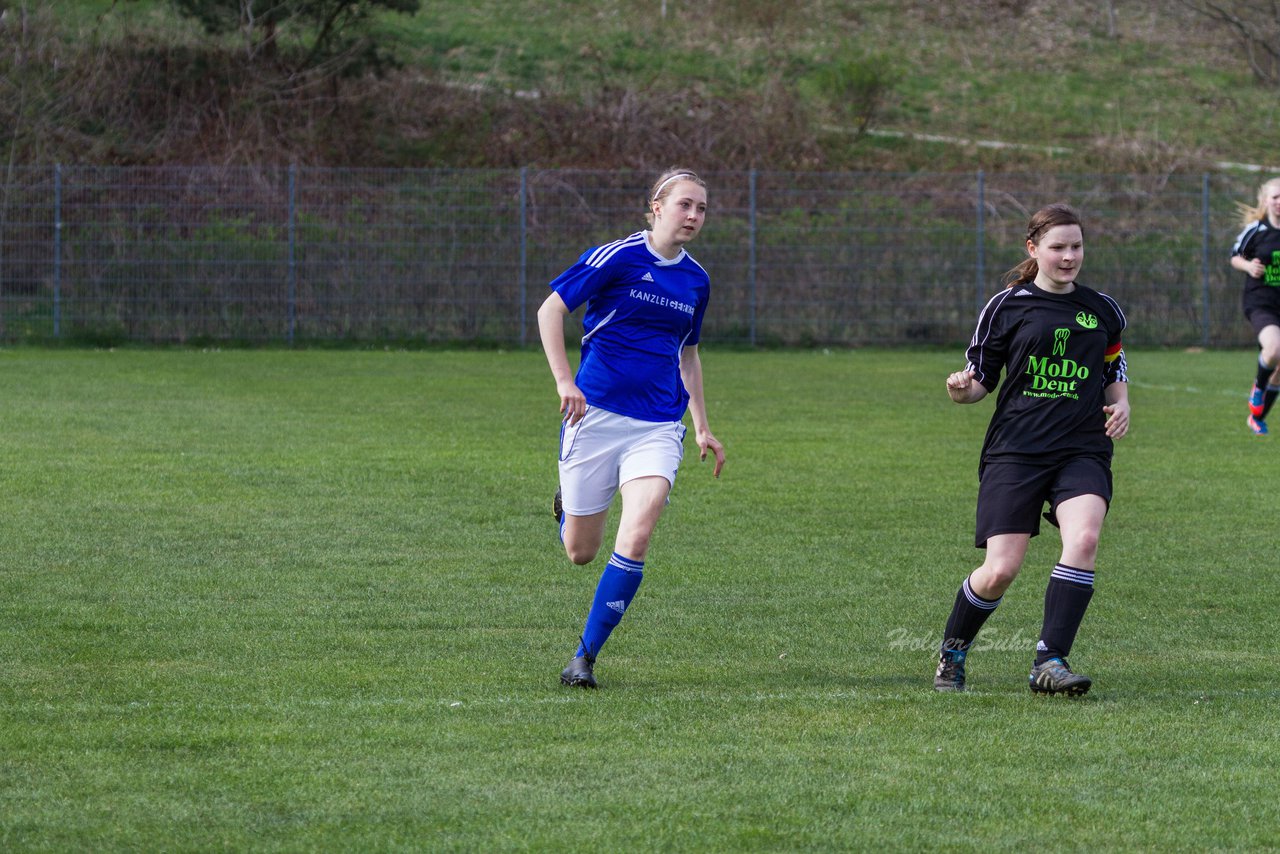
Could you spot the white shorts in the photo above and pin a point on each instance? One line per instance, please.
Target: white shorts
(605, 450)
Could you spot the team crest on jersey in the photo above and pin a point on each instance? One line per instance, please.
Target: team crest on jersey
(1086, 320)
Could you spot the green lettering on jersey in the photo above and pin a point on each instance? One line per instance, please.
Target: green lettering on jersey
(1060, 376)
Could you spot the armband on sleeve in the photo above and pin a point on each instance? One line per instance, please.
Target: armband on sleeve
(1114, 368)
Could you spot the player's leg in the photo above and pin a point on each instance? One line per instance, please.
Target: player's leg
(975, 601)
(646, 472)
(583, 536)
(980, 593)
(1269, 398)
(1268, 368)
(642, 503)
(1009, 500)
(643, 499)
(588, 463)
(1068, 593)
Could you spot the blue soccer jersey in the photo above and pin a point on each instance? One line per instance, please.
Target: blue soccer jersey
(642, 310)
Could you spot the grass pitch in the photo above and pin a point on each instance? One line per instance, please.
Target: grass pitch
(284, 601)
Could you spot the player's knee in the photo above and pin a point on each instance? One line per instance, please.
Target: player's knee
(1084, 543)
(634, 546)
(1000, 574)
(581, 554)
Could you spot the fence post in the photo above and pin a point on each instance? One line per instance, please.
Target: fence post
(293, 262)
(751, 256)
(57, 250)
(981, 236)
(523, 273)
(1204, 261)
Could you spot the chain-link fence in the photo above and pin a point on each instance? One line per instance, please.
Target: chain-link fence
(293, 255)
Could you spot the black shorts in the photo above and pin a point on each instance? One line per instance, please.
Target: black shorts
(1012, 494)
(1260, 318)
(1259, 311)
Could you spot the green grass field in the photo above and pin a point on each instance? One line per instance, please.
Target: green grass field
(290, 601)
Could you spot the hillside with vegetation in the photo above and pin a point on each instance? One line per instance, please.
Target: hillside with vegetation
(1003, 85)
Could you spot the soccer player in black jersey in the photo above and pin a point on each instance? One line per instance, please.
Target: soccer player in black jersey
(1256, 253)
(1063, 400)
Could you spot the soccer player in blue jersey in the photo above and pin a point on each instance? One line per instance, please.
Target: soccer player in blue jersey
(1256, 253)
(621, 428)
(1063, 400)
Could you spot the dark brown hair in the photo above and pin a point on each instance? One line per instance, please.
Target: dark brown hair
(1041, 221)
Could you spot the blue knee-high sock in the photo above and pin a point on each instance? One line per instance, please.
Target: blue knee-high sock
(618, 585)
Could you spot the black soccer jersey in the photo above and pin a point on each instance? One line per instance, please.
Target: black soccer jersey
(1260, 241)
(1059, 352)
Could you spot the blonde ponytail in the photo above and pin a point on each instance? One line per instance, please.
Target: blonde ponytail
(1249, 214)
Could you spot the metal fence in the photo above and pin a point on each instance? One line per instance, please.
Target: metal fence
(295, 255)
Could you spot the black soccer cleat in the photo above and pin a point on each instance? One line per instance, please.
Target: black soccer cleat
(557, 508)
(1055, 677)
(578, 673)
(950, 675)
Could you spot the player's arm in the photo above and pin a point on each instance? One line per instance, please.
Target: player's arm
(1115, 394)
(551, 315)
(963, 387)
(691, 375)
(1250, 267)
(1117, 409)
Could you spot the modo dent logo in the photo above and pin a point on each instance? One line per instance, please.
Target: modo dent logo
(1086, 320)
(1053, 377)
(1056, 375)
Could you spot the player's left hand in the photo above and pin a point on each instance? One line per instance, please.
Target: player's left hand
(707, 442)
(1117, 419)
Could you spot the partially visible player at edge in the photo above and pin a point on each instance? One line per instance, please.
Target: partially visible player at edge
(1256, 253)
(621, 429)
(1063, 400)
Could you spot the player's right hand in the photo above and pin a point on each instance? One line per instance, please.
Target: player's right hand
(573, 403)
(960, 386)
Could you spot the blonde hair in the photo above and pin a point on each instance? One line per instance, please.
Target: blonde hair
(1250, 214)
(1042, 220)
(666, 182)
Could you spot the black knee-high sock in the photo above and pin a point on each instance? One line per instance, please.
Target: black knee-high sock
(1268, 400)
(967, 616)
(1264, 374)
(1065, 601)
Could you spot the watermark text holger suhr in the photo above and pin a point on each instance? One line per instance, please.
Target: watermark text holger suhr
(990, 640)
